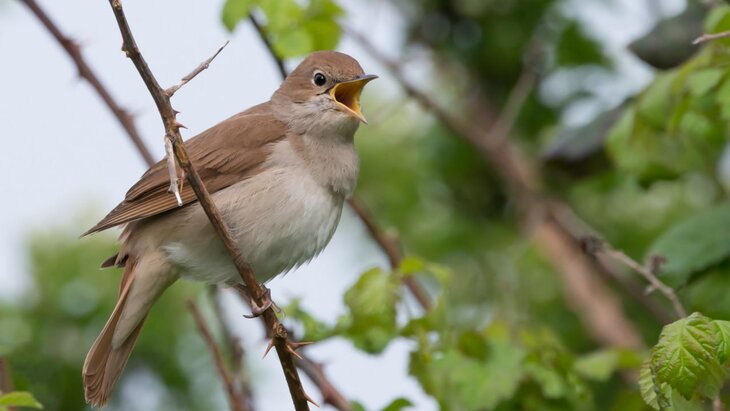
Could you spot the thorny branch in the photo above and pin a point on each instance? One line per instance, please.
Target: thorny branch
(172, 129)
(594, 245)
(311, 368)
(124, 118)
(233, 396)
(85, 72)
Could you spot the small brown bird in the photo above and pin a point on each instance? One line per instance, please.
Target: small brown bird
(279, 172)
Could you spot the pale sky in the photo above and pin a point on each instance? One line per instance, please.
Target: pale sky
(65, 154)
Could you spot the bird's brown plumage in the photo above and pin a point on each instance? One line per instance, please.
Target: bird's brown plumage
(224, 154)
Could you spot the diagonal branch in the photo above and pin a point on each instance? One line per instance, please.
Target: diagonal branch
(172, 131)
(85, 72)
(591, 299)
(233, 396)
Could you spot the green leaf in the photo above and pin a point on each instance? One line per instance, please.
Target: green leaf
(235, 11)
(372, 303)
(325, 34)
(461, 382)
(686, 357)
(314, 329)
(650, 391)
(694, 244)
(282, 15)
(597, 366)
(19, 399)
(702, 81)
(723, 338)
(293, 43)
(398, 404)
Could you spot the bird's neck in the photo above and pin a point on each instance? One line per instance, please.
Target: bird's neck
(315, 118)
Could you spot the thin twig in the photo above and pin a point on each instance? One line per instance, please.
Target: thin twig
(85, 72)
(233, 396)
(594, 245)
(204, 65)
(595, 303)
(6, 379)
(172, 128)
(262, 35)
(711, 36)
(235, 348)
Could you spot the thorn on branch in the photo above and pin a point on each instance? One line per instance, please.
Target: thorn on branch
(591, 244)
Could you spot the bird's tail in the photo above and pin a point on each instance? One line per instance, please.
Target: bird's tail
(143, 282)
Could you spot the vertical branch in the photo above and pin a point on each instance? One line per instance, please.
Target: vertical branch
(172, 131)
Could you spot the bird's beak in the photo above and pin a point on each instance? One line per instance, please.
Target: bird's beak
(347, 95)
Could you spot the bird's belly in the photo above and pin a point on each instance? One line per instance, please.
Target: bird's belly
(281, 218)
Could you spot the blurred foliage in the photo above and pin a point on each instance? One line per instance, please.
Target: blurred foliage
(650, 174)
(294, 28)
(47, 333)
(18, 399)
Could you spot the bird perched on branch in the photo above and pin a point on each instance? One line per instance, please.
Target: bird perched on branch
(279, 172)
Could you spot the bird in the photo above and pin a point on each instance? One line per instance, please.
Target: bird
(279, 172)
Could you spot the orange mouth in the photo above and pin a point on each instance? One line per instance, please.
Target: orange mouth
(347, 95)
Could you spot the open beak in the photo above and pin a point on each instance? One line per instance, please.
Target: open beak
(347, 95)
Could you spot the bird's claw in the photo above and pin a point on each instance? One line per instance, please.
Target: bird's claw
(257, 310)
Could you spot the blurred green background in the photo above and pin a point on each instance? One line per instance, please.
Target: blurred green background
(643, 162)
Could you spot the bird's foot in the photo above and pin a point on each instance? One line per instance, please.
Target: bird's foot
(257, 310)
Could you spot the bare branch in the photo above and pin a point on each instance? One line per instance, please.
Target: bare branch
(204, 65)
(262, 35)
(711, 36)
(85, 72)
(594, 245)
(172, 127)
(233, 396)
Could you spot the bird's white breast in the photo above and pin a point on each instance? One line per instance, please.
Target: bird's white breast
(282, 217)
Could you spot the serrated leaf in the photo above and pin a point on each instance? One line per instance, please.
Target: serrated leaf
(19, 399)
(722, 332)
(694, 244)
(686, 357)
(398, 404)
(650, 391)
(235, 11)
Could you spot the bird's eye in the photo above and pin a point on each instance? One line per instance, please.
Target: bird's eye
(319, 79)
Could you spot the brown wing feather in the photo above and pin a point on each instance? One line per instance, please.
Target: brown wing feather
(223, 155)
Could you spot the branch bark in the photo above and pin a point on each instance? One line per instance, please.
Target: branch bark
(311, 368)
(172, 131)
(237, 403)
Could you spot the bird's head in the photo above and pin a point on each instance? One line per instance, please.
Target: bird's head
(323, 91)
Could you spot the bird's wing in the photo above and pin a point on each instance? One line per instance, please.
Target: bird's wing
(223, 155)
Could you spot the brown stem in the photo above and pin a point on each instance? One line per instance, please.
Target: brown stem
(262, 35)
(6, 379)
(85, 72)
(172, 131)
(233, 396)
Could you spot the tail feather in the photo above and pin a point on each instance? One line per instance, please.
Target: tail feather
(103, 365)
(143, 282)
